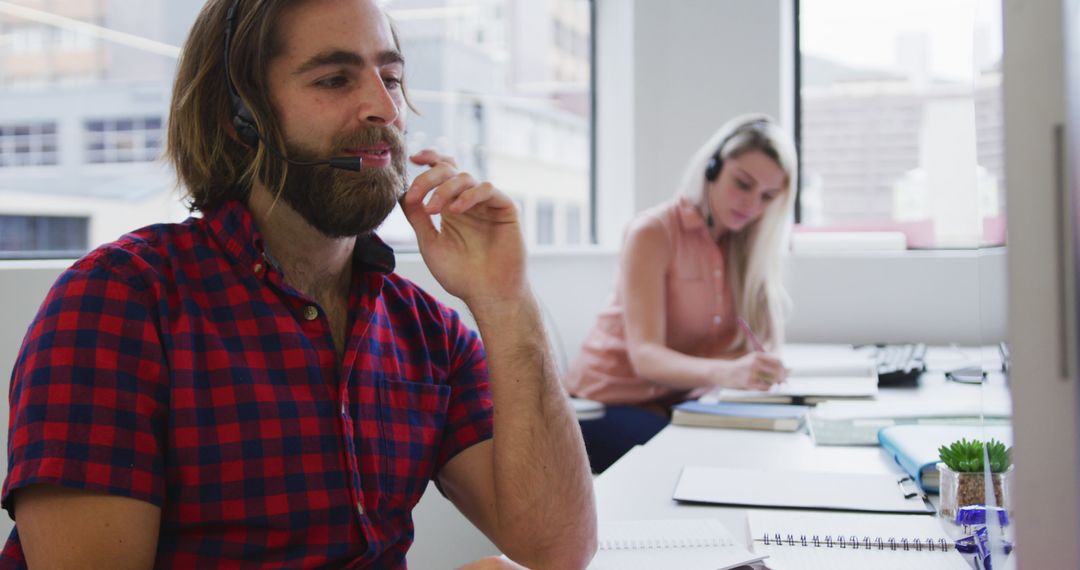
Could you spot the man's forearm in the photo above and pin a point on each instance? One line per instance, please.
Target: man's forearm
(543, 486)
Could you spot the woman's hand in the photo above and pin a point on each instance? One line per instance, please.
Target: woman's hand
(477, 252)
(753, 371)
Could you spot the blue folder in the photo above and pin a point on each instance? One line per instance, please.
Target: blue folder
(915, 446)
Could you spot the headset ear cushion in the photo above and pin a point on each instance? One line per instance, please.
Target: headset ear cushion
(712, 171)
(244, 124)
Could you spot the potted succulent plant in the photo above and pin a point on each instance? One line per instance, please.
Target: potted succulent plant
(962, 477)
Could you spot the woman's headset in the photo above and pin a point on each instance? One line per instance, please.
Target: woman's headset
(716, 162)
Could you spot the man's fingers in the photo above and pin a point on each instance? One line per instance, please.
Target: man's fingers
(412, 204)
(430, 157)
(448, 192)
(472, 197)
(433, 178)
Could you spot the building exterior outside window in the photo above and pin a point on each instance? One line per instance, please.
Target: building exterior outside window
(42, 236)
(545, 223)
(125, 139)
(503, 85)
(902, 119)
(28, 144)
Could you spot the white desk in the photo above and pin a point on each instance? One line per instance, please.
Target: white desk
(640, 484)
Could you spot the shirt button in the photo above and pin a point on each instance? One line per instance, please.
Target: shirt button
(257, 268)
(360, 508)
(716, 320)
(344, 412)
(717, 273)
(311, 312)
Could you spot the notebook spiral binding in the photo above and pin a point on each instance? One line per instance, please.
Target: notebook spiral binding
(855, 543)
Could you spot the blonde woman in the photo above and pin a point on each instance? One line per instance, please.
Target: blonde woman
(689, 270)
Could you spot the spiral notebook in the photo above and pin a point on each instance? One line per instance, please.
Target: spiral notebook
(687, 544)
(811, 540)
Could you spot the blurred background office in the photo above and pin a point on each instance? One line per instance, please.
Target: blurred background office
(914, 126)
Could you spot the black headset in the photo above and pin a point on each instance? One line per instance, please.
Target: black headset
(716, 162)
(244, 121)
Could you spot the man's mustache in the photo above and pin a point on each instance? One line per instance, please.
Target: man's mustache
(373, 135)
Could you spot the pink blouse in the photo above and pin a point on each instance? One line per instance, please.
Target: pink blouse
(699, 310)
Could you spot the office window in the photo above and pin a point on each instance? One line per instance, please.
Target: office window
(503, 86)
(42, 236)
(71, 41)
(122, 139)
(493, 87)
(28, 39)
(545, 223)
(901, 119)
(28, 144)
(573, 224)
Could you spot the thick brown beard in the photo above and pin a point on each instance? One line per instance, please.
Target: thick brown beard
(341, 203)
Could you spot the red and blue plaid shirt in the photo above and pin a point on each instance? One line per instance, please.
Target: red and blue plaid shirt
(177, 367)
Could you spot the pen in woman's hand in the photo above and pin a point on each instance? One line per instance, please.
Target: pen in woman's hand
(750, 335)
(766, 378)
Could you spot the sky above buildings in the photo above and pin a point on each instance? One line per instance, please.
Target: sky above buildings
(872, 34)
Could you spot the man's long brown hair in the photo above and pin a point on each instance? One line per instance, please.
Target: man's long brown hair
(212, 165)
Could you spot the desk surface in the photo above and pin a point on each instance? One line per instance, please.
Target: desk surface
(640, 484)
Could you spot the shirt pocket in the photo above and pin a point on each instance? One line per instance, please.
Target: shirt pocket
(412, 418)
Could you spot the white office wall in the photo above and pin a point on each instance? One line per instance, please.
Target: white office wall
(668, 74)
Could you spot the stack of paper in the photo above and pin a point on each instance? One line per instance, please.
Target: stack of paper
(858, 423)
(802, 390)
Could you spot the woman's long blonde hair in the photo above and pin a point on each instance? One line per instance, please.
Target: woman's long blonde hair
(753, 254)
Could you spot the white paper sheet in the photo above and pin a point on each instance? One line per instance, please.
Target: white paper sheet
(798, 489)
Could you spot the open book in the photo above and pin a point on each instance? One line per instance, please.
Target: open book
(687, 544)
(828, 360)
(816, 373)
(817, 540)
